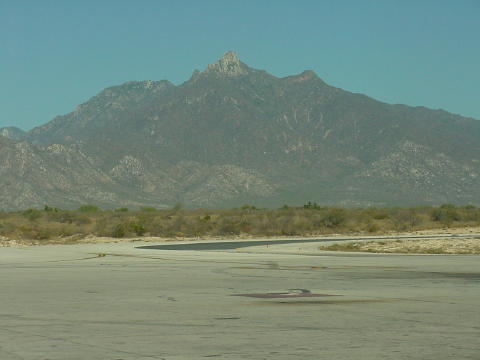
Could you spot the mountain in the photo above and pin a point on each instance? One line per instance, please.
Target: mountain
(233, 134)
(12, 132)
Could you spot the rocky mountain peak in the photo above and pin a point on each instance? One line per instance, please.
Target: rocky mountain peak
(228, 65)
(309, 74)
(234, 135)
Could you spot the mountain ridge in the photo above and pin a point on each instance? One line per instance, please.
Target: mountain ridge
(232, 134)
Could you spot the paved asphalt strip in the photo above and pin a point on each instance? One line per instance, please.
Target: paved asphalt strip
(229, 245)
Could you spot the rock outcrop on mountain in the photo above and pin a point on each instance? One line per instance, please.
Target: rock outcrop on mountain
(12, 132)
(233, 134)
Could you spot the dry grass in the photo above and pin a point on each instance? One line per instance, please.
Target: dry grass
(50, 225)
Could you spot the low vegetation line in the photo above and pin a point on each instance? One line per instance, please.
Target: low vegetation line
(69, 226)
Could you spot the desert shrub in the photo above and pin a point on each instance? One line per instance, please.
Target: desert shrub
(472, 214)
(69, 217)
(80, 219)
(119, 231)
(45, 231)
(32, 214)
(380, 215)
(334, 218)
(372, 227)
(314, 205)
(437, 215)
(447, 206)
(301, 224)
(47, 208)
(89, 208)
(177, 207)
(445, 215)
(286, 226)
(137, 228)
(228, 227)
(127, 227)
(405, 220)
(309, 219)
(245, 225)
(247, 207)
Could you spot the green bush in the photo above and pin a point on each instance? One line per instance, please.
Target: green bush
(447, 206)
(89, 208)
(314, 205)
(32, 214)
(137, 228)
(47, 208)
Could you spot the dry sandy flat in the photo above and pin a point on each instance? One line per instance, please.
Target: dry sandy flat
(445, 231)
(422, 246)
(66, 302)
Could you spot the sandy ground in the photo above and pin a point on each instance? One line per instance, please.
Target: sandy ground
(67, 302)
(424, 246)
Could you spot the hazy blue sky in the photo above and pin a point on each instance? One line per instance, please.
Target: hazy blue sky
(56, 54)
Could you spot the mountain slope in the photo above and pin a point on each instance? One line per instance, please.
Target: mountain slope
(13, 133)
(234, 134)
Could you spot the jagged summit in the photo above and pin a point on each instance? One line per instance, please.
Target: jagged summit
(228, 65)
(233, 135)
